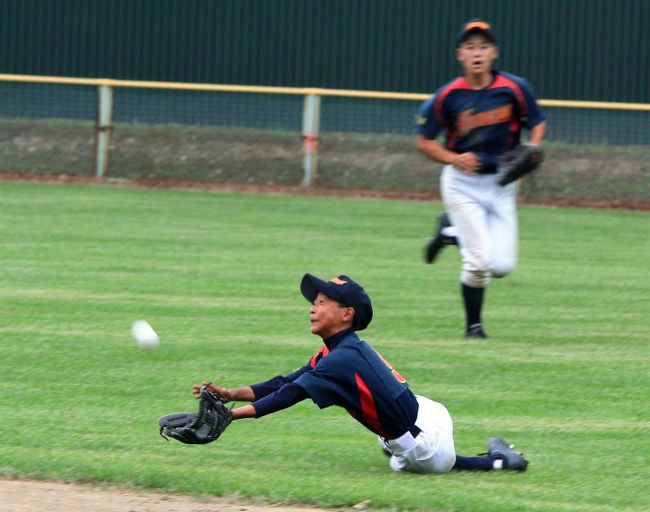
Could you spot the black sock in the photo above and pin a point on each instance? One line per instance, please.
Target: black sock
(474, 463)
(473, 300)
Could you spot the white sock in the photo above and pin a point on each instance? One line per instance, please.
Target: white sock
(497, 464)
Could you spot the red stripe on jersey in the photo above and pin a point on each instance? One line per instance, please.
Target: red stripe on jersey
(515, 126)
(368, 409)
(323, 352)
(502, 81)
(460, 83)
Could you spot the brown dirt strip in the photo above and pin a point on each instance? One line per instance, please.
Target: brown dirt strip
(39, 496)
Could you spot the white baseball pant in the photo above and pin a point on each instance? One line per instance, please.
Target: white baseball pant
(485, 217)
(432, 451)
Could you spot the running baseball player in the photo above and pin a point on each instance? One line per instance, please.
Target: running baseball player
(415, 432)
(482, 113)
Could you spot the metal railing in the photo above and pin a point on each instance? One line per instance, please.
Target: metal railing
(311, 116)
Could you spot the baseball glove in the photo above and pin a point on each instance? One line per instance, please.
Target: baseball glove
(520, 161)
(200, 427)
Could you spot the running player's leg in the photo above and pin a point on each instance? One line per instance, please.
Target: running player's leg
(462, 198)
(475, 275)
(503, 232)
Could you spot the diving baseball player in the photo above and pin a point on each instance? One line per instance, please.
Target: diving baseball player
(415, 432)
(482, 114)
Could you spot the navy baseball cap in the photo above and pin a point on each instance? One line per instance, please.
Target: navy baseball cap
(476, 25)
(341, 289)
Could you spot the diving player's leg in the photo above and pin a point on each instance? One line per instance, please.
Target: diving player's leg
(432, 451)
(437, 432)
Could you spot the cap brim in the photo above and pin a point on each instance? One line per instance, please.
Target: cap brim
(310, 286)
(476, 30)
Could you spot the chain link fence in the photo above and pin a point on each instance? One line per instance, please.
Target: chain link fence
(257, 138)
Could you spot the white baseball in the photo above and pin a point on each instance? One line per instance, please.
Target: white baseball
(144, 335)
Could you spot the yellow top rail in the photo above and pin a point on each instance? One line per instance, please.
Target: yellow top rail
(300, 91)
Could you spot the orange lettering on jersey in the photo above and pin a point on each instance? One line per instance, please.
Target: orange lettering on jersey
(468, 121)
(395, 373)
(336, 280)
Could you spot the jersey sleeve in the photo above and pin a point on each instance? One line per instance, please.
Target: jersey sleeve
(267, 387)
(426, 123)
(319, 388)
(288, 395)
(533, 114)
(321, 382)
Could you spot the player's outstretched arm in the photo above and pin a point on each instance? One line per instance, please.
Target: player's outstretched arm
(246, 411)
(243, 394)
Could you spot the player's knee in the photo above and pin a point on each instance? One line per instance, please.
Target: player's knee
(475, 278)
(503, 268)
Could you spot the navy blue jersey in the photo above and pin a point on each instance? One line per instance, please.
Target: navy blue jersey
(487, 122)
(349, 373)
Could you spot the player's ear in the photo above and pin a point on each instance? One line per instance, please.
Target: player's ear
(348, 315)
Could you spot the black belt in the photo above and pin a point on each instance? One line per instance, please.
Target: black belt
(415, 430)
(488, 169)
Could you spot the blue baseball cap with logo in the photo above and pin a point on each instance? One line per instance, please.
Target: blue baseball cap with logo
(344, 290)
(476, 25)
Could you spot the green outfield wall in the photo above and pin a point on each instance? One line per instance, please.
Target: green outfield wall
(570, 49)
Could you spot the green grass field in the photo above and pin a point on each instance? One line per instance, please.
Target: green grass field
(564, 374)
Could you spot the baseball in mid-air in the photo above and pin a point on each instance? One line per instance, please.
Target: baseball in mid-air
(144, 335)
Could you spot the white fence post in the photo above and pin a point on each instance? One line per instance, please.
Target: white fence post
(103, 129)
(310, 131)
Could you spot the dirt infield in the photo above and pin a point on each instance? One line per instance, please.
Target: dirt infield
(38, 496)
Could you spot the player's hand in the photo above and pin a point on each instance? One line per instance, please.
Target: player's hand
(219, 391)
(466, 162)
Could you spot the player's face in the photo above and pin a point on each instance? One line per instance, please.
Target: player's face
(477, 54)
(327, 317)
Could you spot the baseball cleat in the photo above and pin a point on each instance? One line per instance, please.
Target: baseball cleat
(511, 459)
(385, 447)
(439, 240)
(475, 331)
